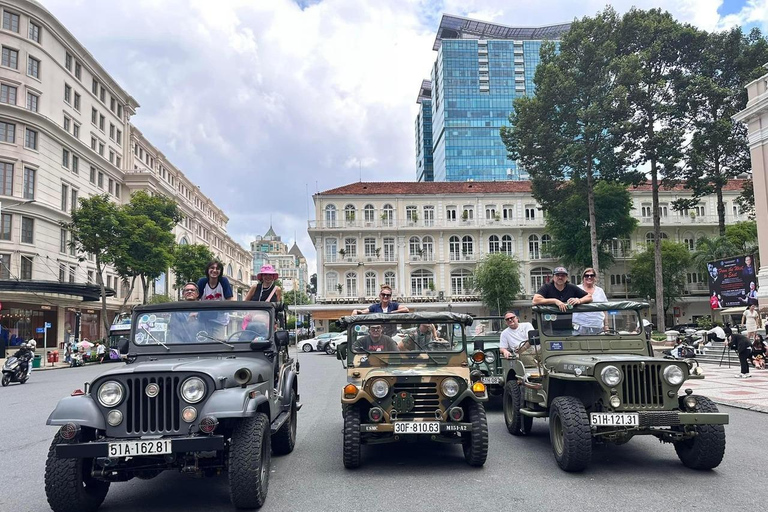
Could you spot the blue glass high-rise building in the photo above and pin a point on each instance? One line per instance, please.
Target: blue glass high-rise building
(480, 69)
(424, 167)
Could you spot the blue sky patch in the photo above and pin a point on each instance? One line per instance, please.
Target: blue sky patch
(730, 7)
(306, 3)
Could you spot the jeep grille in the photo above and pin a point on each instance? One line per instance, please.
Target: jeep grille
(642, 387)
(425, 398)
(158, 415)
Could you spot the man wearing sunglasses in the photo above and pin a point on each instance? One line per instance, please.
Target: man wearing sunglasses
(559, 292)
(185, 326)
(514, 339)
(376, 341)
(385, 306)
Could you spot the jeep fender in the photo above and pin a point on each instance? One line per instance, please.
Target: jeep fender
(81, 410)
(289, 382)
(236, 402)
(468, 394)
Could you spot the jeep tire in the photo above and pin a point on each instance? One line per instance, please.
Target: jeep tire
(351, 437)
(284, 440)
(706, 449)
(249, 461)
(69, 485)
(570, 434)
(475, 442)
(517, 423)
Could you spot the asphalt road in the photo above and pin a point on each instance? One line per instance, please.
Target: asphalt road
(520, 472)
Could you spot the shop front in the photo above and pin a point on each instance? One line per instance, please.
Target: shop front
(20, 322)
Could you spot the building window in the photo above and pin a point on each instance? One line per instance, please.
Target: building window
(29, 183)
(65, 157)
(467, 213)
(10, 58)
(112, 103)
(351, 284)
(33, 67)
(101, 148)
(73, 202)
(34, 32)
(7, 132)
(530, 212)
(111, 131)
(26, 268)
(508, 245)
(32, 100)
(27, 230)
(460, 282)
(63, 240)
(388, 215)
(5, 266)
(102, 92)
(539, 277)
(77, 102)
(101, 180)
(330, 216)
(95, 87)
(92, 175)
(533, 247)
(75, 164)
(421, 281)
(118, 163)
(429, 215)
(120, 111)
(646, 210)
(454, 248)
(411, 214)
(11, 21)
(76, 130)
(369, 245)
(493, 244)
(64, 197)
(546, 245)
(117, 190)
(370, 284)
(389, 249)
(67, 93)
(350, 247)
(111, 185)
(6, 223)
(467, 247)
(330, 250)
(66, 124)
(7, 94)
(68, 62)
(30, 140)
(101, 122)
(111, 156)
(119, 137)
(414, 248)
(490, 212)
(94, 115)
(6, 178)
(78, 70)
(427, 248)
(507, 212)
(450, 213)
(390, 279)
(331, 282)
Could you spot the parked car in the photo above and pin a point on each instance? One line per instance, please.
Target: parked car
(307, 345)
(330, 348)
(322, 340)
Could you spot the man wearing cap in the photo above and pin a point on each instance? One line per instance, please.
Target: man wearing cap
(375, 341)
(559, 292)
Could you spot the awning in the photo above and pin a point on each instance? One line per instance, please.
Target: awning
(88, 292)
(734, 310)
(331, 314)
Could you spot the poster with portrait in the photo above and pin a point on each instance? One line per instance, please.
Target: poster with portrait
(732, 282)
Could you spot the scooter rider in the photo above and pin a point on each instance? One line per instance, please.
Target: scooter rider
(25, 354)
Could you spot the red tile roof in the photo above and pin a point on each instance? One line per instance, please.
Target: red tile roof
(463, 187)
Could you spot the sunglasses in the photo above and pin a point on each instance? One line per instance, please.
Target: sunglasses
(190, 290)
(589, 276)
(510, 318)
(385, 294)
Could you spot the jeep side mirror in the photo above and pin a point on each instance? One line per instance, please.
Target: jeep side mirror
(341, 353)
(123, 346)
(260, 344)
(533, 337)
(282, 338)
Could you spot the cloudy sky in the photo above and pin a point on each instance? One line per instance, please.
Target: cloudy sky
(264, 102)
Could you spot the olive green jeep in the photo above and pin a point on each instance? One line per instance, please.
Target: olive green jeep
(483, 352)
(605, 386)
(408, 380)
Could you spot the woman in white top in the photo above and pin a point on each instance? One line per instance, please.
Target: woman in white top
(751, 318)
(593, 322)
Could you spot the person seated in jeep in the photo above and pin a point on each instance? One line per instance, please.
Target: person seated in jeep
(514, 339)
(375, 341)
(559, 292)
(424, 336)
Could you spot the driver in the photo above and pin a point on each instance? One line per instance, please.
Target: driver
(376, 341)
(420, 340)
(185, 325)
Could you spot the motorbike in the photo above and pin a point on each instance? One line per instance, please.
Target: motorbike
(16, 369)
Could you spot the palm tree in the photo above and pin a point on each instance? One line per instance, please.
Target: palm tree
(711, 249)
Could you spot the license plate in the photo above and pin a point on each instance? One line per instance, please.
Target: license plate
(139, 448)
(614, 419)
(491, 380)
(417, 427)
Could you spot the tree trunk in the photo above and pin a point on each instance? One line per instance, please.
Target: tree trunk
(720, 209)
(592, 220)
(100, 281)
(144, 288)
(660, 318)
(128, 295)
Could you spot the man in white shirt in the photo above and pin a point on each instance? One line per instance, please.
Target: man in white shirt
(514, 339)
(716, 333)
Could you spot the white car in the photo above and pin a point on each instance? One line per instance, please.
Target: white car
(312, 343)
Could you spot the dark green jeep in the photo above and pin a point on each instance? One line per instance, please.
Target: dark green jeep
(483, 352)
(608, 387)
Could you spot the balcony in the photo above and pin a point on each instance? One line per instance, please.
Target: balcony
(425, 224)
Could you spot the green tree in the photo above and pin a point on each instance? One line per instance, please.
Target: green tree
(714, 92)
(743, 236)
(497, 278)
(312, 286)
(570, 130)
(295, 297)
(654, 55)
(711, 249)
(189, 261)
(677, 261)
(96, 228)
(746, 199)
(569, 223)
(160, 298)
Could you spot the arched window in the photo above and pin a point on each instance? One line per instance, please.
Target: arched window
(533, 247)
(508, 245)
(428, 248)
(493, 244)
(460, 280)
(229, 270)
(240, 275)
(387, 215)
(369, 214)
(370, 284)
(330, 250)
(349, 213)
(183, 241)
(539, 277)
(649, 237)
(330, 216)
(546, 245)
(454, 248)
(467, 247)
(332, 282)
(351, 283)
(420, 281)
(389, 279)
(414, 248)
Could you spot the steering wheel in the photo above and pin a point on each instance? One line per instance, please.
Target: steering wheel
(252, 334)
(609, 331)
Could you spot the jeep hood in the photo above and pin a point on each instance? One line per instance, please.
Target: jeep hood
(215, 367)
(417, 372)
(566, 363)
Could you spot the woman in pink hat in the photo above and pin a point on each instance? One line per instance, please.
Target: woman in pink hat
(266, 290)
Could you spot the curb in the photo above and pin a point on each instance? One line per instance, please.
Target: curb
(736, 405)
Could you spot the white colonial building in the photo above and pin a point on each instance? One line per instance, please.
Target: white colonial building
(425, 239)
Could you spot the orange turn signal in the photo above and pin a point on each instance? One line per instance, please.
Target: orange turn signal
(478, 356)
(350, 389)
(478, 388)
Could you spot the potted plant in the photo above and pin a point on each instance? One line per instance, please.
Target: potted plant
(465, 215)
(692, 213)
(497, 217)
(339, 287)
(343, 252)
(378, 252)
(414, 218)
(351, 216)
(431, 287)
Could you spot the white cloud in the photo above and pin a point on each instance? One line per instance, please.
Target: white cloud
(260, 101)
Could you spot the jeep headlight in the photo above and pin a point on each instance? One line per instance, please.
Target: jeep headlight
(490, 357)
(611, 376)
(673, 375)
(450, 387)
(193, 390)
(380, 388)
(110, 394)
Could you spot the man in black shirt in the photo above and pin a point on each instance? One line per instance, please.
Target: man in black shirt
(560, 292)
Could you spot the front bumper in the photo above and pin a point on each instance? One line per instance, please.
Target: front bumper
(100, 448)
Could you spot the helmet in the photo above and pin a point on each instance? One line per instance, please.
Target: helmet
(32, 344)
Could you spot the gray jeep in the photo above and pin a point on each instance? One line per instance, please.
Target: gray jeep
(209, 387)
(605, 386)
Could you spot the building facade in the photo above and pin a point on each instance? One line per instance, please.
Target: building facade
(425, 239)
(425, 170)
(65, 134)
(481, 68)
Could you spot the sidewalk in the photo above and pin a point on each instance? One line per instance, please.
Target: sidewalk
(45, 365)
(721, 385)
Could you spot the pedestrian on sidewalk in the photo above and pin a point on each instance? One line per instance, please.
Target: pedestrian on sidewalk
(751, 318)
(758, 353)
(742, 346)
(101, 351)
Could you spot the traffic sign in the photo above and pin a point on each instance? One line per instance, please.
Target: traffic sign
(47, 325)
(40, 330)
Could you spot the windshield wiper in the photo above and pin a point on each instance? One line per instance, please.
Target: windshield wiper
(152, 336)
(203, 334)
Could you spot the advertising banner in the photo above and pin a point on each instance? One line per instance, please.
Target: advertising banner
(732, 282)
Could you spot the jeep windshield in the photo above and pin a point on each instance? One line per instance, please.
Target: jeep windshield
(414, 338)
(597, 320)
(201, 325)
